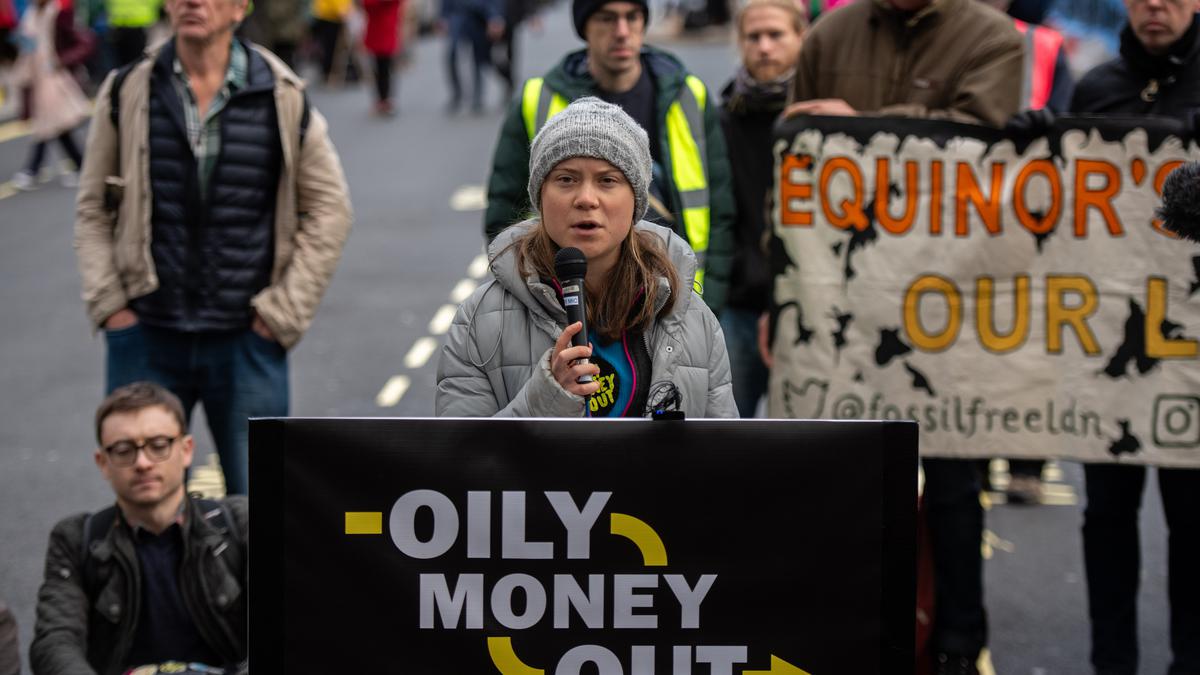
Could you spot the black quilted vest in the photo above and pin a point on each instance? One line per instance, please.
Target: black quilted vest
(213, 253)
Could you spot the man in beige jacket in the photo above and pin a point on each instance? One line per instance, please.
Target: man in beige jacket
(956, 60)
(211, 215)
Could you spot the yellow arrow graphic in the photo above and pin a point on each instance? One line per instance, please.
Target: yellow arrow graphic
(506, 660)
(778, 667)
(654, 554)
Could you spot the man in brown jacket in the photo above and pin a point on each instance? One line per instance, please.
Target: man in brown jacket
(211, 215)
(957, 60)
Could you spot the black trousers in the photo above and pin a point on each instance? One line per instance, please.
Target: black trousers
(1112, 558)
(37, 153)
(383, 77)
(127, 44)
(955, 519)
(326, 33)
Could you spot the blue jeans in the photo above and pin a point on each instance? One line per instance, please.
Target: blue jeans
(466, 27)
(749, 372)
(236, 375)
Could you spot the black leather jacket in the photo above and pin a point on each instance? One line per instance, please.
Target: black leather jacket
(85, 631)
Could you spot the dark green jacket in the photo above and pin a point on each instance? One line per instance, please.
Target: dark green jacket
(508, 198)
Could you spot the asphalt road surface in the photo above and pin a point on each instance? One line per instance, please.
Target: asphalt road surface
(416, 183)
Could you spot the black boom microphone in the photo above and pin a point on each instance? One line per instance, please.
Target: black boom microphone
(570, 266)
(1180, 210)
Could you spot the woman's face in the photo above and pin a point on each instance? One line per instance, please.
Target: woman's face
(588, 203)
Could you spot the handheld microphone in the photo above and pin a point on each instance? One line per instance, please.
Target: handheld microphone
(1180, 210)
(570, 266)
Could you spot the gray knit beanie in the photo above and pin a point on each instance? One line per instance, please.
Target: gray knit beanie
(592, 128)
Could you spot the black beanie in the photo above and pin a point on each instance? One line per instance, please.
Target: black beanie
(582, 9)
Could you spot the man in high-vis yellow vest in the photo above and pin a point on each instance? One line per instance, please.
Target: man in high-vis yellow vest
(691, 190)
(128, 23)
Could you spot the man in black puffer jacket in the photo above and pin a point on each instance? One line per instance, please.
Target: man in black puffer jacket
(769, 38)
(1158, 73)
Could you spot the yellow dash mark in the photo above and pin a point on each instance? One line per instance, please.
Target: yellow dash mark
(364, 522)
(506, 660)
(778, 667)
(654, 554)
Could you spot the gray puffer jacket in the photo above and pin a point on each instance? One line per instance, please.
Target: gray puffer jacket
(496, 361)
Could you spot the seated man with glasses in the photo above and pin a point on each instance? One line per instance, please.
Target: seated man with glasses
(160, 576)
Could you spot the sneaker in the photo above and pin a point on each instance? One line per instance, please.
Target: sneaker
(69, 179)
(385, 109)
(23, 180)
(1024, 490)
(953, 664)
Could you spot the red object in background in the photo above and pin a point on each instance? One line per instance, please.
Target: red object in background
(382, 37)
(8, 15)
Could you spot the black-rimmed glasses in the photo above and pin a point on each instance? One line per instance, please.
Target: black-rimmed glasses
(124, 453)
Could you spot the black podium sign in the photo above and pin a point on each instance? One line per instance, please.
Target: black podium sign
(556, 547)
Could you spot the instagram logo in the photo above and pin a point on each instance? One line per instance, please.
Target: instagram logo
(1177, 421)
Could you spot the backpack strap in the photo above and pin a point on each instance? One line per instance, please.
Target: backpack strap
(304, 118)
(95, 527)
(114, 94)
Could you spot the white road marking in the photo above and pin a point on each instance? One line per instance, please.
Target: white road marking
(7, 190)
(393, 391)
(469, 198)
(208, 479)
(421, 351)
(463, 290)
(440, 323)
(395, 388)
(11, 130)
(479, 266)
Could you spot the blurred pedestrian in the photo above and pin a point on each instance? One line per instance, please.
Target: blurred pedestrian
(962, 62)
(55, 103)
(280, 26)
(1157, 74)
(504, 53)
(328, 32)
(129, 23)
(211, 215)
(769, 35)
(383, 41)
(477, 23)
(10, 656)
(690, 187)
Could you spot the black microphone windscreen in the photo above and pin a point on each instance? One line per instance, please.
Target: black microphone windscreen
(1180, 210)
(570, 263)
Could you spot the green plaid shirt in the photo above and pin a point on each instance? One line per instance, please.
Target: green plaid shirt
(204, 134)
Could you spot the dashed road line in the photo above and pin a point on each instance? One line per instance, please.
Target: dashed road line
(421, 351)
(440, 323)
(13, 130)
(425, 347)
(479, 266)
(463, 290)
(393, 391)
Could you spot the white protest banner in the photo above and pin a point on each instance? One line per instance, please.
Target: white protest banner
(1014, 295)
